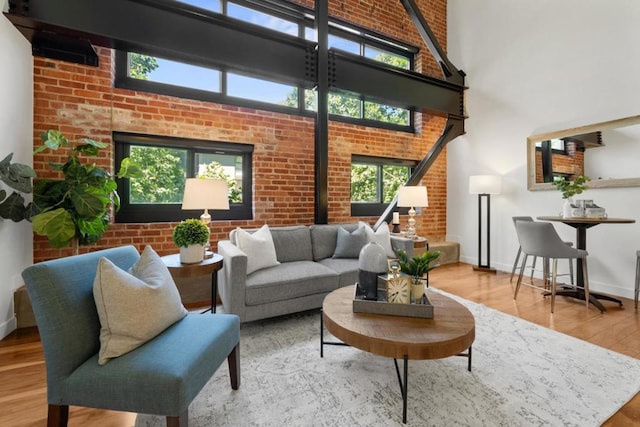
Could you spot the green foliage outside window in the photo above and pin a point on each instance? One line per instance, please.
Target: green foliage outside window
(364, 182)
(141, 65)
(164, 172)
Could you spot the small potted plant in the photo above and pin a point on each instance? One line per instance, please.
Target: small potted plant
(570, 189)
(191, 236)
(417, 267)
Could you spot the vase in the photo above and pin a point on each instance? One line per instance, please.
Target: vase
(566, 208)
(372, 262)
(192, 254)
(417, 289)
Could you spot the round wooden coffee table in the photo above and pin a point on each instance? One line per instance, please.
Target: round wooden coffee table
(449, 333)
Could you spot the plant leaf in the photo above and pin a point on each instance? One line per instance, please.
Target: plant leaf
(57, 225)
(13, 207)
(53, 139)
(129, 169)
(89, 150)
(88, 205)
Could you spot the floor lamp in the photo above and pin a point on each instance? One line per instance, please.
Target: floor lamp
(484, 186)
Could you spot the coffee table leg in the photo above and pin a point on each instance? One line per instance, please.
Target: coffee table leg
(321, 335)
(403, 385)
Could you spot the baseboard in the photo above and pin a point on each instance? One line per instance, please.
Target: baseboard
(9, 326)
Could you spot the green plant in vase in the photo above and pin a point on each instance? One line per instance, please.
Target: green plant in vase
(570, 189)
(191, 236)
(417, 267)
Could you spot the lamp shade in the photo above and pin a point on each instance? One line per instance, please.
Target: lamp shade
(485, 184)
(204, 193)
(412, 196)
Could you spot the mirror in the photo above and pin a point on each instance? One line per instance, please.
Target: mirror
(606, 152)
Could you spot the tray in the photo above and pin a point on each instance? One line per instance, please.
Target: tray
(381, 306)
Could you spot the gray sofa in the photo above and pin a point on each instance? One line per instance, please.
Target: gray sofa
(306, 273)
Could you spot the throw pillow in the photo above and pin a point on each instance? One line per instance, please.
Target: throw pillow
(382, 236)
(348, 245)
(259, 247)
(134, 306)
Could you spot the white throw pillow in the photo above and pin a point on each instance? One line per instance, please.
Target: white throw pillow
(134, 306)
(259, 247)
(382, 236)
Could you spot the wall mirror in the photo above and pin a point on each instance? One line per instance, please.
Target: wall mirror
(606, 152)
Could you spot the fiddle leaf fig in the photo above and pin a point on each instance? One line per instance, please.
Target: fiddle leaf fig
(75, 208)
(18, 177)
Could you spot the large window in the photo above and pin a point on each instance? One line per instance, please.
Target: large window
(375, 182)
(173, 76)
(167, 162)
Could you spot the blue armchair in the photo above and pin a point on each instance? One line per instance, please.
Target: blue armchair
(160, 377)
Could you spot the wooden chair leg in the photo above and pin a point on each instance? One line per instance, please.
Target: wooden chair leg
(234, 367)
(519, 282)
(515, 264)
(180, 421)
(58, 416)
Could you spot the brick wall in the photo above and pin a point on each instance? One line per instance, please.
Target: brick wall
(81, 102)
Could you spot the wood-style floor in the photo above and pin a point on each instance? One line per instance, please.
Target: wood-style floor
(22, 371)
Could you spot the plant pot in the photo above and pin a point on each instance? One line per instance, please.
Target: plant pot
(192, 254)
(566, 208)
(418, 287)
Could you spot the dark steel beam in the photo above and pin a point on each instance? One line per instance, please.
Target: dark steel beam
(451, 73)
(452, 129)
(174, 30)
(393, 86)
(321, 211)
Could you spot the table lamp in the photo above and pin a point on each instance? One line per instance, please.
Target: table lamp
(412, 197)
(484, 186)
(205, 193)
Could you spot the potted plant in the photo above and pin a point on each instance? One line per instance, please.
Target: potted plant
(74, 209)
(191, 236)
(417, 267)
(570, 189)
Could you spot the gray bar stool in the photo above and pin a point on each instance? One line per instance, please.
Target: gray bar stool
(540, 239)
(533, 263)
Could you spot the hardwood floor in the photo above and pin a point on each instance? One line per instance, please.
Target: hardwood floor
(22, 370)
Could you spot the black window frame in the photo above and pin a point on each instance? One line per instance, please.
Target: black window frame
(291, 12)
(378, 208)
(161, 212)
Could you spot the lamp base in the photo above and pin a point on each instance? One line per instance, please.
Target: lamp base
(484, 269)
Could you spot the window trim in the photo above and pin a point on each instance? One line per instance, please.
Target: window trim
(377, 209)
(161, 212)
(303, 17)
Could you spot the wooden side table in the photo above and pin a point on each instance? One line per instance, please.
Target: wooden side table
(207, 266)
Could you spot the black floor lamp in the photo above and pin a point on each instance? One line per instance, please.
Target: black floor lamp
(484, 186)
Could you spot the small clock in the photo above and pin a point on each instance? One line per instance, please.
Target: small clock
(398, 290)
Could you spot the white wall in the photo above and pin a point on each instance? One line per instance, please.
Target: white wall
(16, 128)
(532, 67)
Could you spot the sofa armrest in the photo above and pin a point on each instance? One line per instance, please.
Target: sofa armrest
(232, 280)
(403, 243)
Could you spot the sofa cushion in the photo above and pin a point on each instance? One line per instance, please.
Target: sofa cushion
(382, 236)
(289, 280)
(259, 247)
(346, 268)
(135, 306)
(292, 243)
(324, 238)
(349, 245)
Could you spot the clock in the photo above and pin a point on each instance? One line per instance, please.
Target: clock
(398, 290)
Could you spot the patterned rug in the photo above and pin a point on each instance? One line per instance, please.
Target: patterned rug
(522, 375)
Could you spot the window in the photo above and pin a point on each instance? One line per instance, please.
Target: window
(375, 182)
(557, 145)
(167, 162)
(176, 77)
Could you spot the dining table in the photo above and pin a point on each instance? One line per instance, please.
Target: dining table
(581, 224)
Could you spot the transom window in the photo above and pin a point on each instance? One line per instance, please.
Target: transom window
(375, 182)
(167, 162)
(174, 77)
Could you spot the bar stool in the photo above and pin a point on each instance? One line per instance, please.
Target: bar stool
(540, 239)
(533, 263)
(637, 288)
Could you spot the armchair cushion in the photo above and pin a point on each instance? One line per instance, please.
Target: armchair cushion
(134, 306)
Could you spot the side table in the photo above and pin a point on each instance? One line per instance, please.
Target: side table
(207, 266)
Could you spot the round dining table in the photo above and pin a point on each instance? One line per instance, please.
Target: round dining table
(581, 224)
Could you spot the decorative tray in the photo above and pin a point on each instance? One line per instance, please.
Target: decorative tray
(381, 306)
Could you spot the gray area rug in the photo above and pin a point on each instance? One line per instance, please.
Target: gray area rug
(522, 375)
